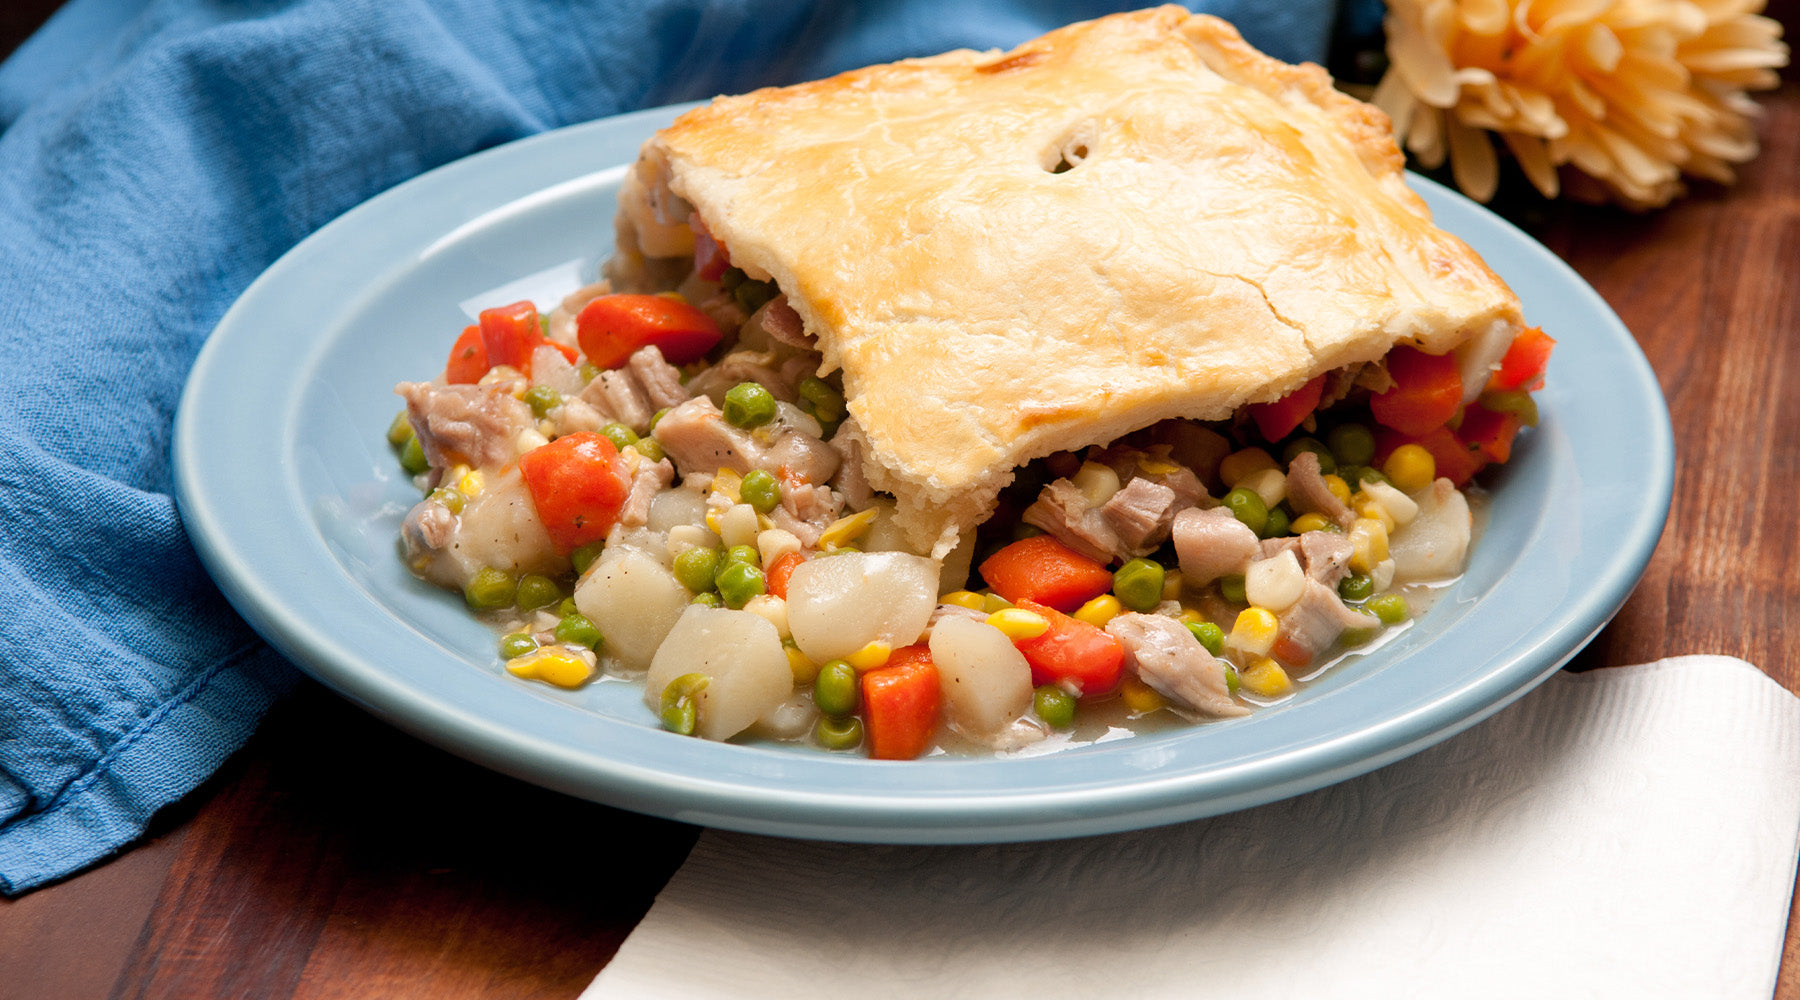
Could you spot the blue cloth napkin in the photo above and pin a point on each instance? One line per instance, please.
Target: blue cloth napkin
(155, 156)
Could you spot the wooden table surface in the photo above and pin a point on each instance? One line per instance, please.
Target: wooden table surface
(336, 857)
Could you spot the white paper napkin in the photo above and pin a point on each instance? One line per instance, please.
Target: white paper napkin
(1621, 833)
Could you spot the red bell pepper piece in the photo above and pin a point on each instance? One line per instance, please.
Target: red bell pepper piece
(1426, 392)
(578, 483)
(1072, 654)
(1525, 361)
(1042, 569)
(1278, 419)
(612, 327)
(901, 702)
(510, 334)
(468, 359)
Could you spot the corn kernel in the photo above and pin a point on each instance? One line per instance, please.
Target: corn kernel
(1369, 507)
(552, 665)
(962, 599)
(804, 670)
(847, 529)
(1311, 522)
(1189, 616)
(1254, 631)
(677, 296)
(529, 439)
(1266, 679)
(1369, 539)
(1100, 610)
(1239, 464)
(772, 609)
(471, 483)
(727, 483)
(869, 657)
(1156, 466)
(1340, 489)
(1410, 468)
(1401, 508)
(1017, 623)
(1139, 697)
(1171, 585)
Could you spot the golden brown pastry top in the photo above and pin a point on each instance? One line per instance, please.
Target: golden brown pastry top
(1125, 220)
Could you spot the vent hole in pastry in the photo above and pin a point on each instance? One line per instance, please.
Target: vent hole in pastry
(1066, 153)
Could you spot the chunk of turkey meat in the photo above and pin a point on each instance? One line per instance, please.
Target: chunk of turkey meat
(1212, 543)
(476, 424)
(1165, 655)
(632, 394)
(698, 439)
(1308, 494)
(1314, 622)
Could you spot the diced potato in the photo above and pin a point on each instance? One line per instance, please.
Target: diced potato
(634, 600)
(839, 604)
(986, 681)
(1433, 546)
(501, 528)
(742, 655)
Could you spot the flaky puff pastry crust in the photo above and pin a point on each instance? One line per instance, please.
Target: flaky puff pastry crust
(1126, 220)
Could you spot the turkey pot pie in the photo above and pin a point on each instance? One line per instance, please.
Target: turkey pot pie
(1006, 255)
(1152, 312)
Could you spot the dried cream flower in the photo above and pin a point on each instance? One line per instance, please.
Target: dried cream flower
(1630, 93)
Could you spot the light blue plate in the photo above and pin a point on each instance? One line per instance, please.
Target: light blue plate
(291, 495)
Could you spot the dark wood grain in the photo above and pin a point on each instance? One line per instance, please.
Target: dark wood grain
(337, 857)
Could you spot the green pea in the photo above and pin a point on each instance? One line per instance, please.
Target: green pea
(732, 278)
(1055, 706)
(584, 555)
(1357, 637)
(656, 418)
(1390, 608)
(620, 435)
(542, 399)
(450, 497)
(536, 591)
(834, 690)
(567, 607)
(490, 589)
(1278, 523)
(818, 398)
(400, 431)
(651, 449)
(1211, 636)
(516, 644)
(1139, 584)
(1327, 464)
(1353, 444)
(707, 598)
(412, 457)
(588, 371)
(1232, 587)
(1356, 587)
(680, 703)
(760, 491)
(738, 583)
(1023, 530)
(748, 405)
(839, 733)
(696, 568)
(753, 295)
(742, 554)
(1247, 506)
(1232, 682)
(1371, 475)
(579, 630)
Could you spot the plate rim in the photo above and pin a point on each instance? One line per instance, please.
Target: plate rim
(895, 815)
